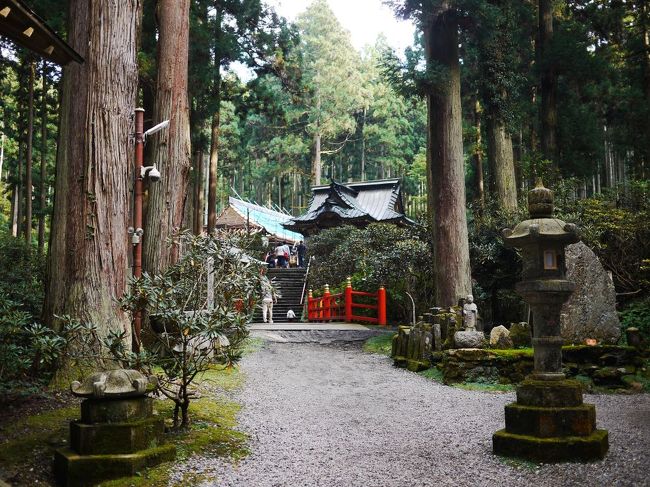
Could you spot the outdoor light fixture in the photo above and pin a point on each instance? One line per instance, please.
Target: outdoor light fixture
(150, 173)
(5, 12)
(156, 128)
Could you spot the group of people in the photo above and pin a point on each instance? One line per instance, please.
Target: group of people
(280, 256)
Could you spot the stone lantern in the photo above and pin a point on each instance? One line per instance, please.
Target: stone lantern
(549, 421)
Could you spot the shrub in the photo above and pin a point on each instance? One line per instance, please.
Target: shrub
(637, 315)
(22, 273)
(28, 351)
(380, 254)
(192, 333)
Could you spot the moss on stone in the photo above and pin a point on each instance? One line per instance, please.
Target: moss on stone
(212, 431)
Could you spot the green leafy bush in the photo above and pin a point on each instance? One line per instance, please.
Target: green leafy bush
(380, 254)
(28, 351)
(637, 315)
(22, 273)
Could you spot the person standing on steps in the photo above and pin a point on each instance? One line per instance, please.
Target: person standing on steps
(302, 252)
(279, 255)
(269, 297)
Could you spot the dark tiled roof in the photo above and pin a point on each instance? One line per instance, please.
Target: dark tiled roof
(366, 202)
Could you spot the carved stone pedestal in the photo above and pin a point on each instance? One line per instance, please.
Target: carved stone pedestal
(114, 438)
(550, 423)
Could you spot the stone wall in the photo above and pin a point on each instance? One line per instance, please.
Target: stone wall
(603, 366)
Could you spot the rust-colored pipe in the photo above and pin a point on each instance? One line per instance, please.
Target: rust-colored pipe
(137, 218)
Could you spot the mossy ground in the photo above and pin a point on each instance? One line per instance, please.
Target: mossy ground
(436, 375)
(380, 344)
(26, 450)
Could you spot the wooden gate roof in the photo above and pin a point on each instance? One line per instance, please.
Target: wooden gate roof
(20, 23)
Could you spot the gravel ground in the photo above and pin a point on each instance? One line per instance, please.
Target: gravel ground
(336, 416)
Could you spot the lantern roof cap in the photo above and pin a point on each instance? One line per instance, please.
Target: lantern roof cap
(540, 201)
(541, 227)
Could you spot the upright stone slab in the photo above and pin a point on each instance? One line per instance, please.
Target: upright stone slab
(590, 312)
(548, 422)
(117, 436)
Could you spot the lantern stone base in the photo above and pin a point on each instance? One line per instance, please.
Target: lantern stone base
(549, 423)
(72, 469)
(114, 438)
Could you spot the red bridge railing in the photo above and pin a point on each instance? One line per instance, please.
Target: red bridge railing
(341, 306)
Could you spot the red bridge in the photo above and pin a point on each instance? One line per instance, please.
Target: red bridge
(341, 306)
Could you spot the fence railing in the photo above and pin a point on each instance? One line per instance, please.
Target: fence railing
(342, 307)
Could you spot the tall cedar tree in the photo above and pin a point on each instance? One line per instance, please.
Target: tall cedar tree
(170, 150)
(89, 244)
(438, 20)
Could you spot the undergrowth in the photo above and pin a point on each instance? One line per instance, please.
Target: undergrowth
(380, 344)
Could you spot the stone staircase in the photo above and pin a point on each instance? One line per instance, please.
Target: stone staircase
(288, 283)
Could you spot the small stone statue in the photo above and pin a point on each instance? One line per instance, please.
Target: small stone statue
(470, 314)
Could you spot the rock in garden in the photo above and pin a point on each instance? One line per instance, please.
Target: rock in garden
(590, 312)
(500, 337)
(469, 339)
(520, 334)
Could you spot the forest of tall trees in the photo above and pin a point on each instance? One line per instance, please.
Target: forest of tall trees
(490, 93)
(559, 86)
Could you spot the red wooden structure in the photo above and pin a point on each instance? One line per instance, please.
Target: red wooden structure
(341, 306)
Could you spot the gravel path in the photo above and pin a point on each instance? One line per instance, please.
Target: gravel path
(335, 416)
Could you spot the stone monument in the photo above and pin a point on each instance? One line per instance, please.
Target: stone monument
(469, 336)
(118, 434)
(470, 313)
(549, 421)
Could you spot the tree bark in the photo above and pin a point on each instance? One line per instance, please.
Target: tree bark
(477, 156)
(502, 164)
(16, 225)
(548, 83)
(28, 157)
(316, 166)
(451, 246)
(198, 193)
(213, 174)
(89, 244)
(43, 175)
(170, 147)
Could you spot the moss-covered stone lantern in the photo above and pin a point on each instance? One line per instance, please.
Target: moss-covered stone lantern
(549, 421)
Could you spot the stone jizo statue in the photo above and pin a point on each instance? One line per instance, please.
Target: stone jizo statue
(470, 314)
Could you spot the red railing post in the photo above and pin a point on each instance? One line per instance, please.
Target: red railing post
(381, 306)
(326, 303)
(310, 306)
(348, 301)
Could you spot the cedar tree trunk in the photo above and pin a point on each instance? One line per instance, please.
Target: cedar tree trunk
(28, 157)
(451, 246)
(171, 146)
(43, 186)
(502, 164)
(89, 244)
(548, 82)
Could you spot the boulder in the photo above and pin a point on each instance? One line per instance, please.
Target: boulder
(590, 311)
(520, 334)
(469, 339)
(500, 337)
